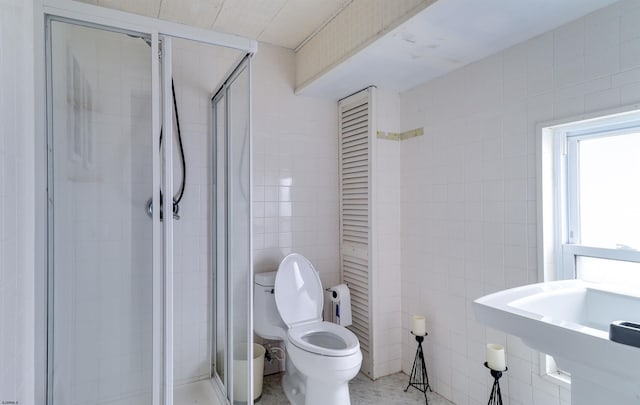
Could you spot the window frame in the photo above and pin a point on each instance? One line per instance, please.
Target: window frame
(572, 245)
(557, 192)
(558, 183)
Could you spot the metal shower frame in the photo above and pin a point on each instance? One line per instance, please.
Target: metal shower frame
(158, 31)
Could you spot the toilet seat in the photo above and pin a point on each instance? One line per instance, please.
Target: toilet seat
(324, 338)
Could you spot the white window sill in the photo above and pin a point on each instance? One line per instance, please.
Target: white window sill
(559, 378)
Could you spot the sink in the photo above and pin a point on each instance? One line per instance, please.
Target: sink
(570, 320)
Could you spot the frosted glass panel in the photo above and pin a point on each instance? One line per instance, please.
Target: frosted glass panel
(220, 269)
(233, 335)
(607, 270)
(100, 269)
(609, 170)
(239, 200)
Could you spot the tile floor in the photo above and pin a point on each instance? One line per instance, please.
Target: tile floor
(384, 391)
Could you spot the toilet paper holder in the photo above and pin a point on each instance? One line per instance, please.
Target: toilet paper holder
(339, 305)
(333, 293)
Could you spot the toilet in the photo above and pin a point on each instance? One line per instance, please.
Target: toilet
(322, 356)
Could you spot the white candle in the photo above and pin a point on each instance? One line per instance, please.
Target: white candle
(419, 326)
(495, 357)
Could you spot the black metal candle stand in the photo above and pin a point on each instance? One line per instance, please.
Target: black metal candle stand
(419, 378)
(496, 396)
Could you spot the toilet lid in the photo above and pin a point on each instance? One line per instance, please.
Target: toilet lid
(298, 291)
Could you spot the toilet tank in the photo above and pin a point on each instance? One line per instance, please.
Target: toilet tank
(266, 320)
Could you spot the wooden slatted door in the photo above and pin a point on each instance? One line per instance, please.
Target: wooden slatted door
(355, 129)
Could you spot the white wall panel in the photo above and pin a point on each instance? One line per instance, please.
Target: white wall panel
(295, 169)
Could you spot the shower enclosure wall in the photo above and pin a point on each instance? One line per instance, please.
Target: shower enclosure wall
(138, 305)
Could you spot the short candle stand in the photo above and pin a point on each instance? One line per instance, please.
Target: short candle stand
(496, 396)
(419, 379)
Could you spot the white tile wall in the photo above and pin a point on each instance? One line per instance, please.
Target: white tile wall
(468, 189)
(295, 169)
(16, 202)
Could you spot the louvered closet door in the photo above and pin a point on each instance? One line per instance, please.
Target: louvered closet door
(355, 134)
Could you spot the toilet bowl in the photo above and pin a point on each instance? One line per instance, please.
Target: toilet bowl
(322, 356)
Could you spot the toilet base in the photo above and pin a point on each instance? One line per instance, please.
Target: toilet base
(317, 392)
(293, 390)
(324, 380)
(293, 384)
(322, 393)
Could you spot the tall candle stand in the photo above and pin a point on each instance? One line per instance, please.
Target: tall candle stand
(496, 396)
(419, 378)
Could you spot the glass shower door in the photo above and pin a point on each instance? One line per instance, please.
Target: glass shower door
(100, 239)
(219, 273)
(239, 254)
(233, 273)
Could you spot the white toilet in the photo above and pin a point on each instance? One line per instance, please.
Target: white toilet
(322, 356)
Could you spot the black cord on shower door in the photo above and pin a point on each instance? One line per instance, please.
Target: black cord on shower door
(184, 163)
(178, 197)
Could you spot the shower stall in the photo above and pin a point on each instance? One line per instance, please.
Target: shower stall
(149, 271)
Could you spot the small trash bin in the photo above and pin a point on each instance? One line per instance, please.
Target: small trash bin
(240, 371)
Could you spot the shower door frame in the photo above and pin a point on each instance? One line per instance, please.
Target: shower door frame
(112, 20)
(221, 253)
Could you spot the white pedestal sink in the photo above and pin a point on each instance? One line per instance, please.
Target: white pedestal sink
(570, 321)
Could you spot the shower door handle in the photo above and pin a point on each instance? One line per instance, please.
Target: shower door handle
(176, 209)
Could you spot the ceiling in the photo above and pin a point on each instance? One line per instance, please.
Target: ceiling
(286, 23)
(443, 37)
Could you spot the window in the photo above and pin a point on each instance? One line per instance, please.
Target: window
(589, 201)
(592, 199)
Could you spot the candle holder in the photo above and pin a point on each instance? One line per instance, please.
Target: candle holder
(496, 396)
(419, 378)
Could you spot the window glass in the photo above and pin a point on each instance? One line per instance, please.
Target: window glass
(606, 270)
(609, 191)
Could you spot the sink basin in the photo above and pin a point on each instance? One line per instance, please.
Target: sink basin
(570, 320)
